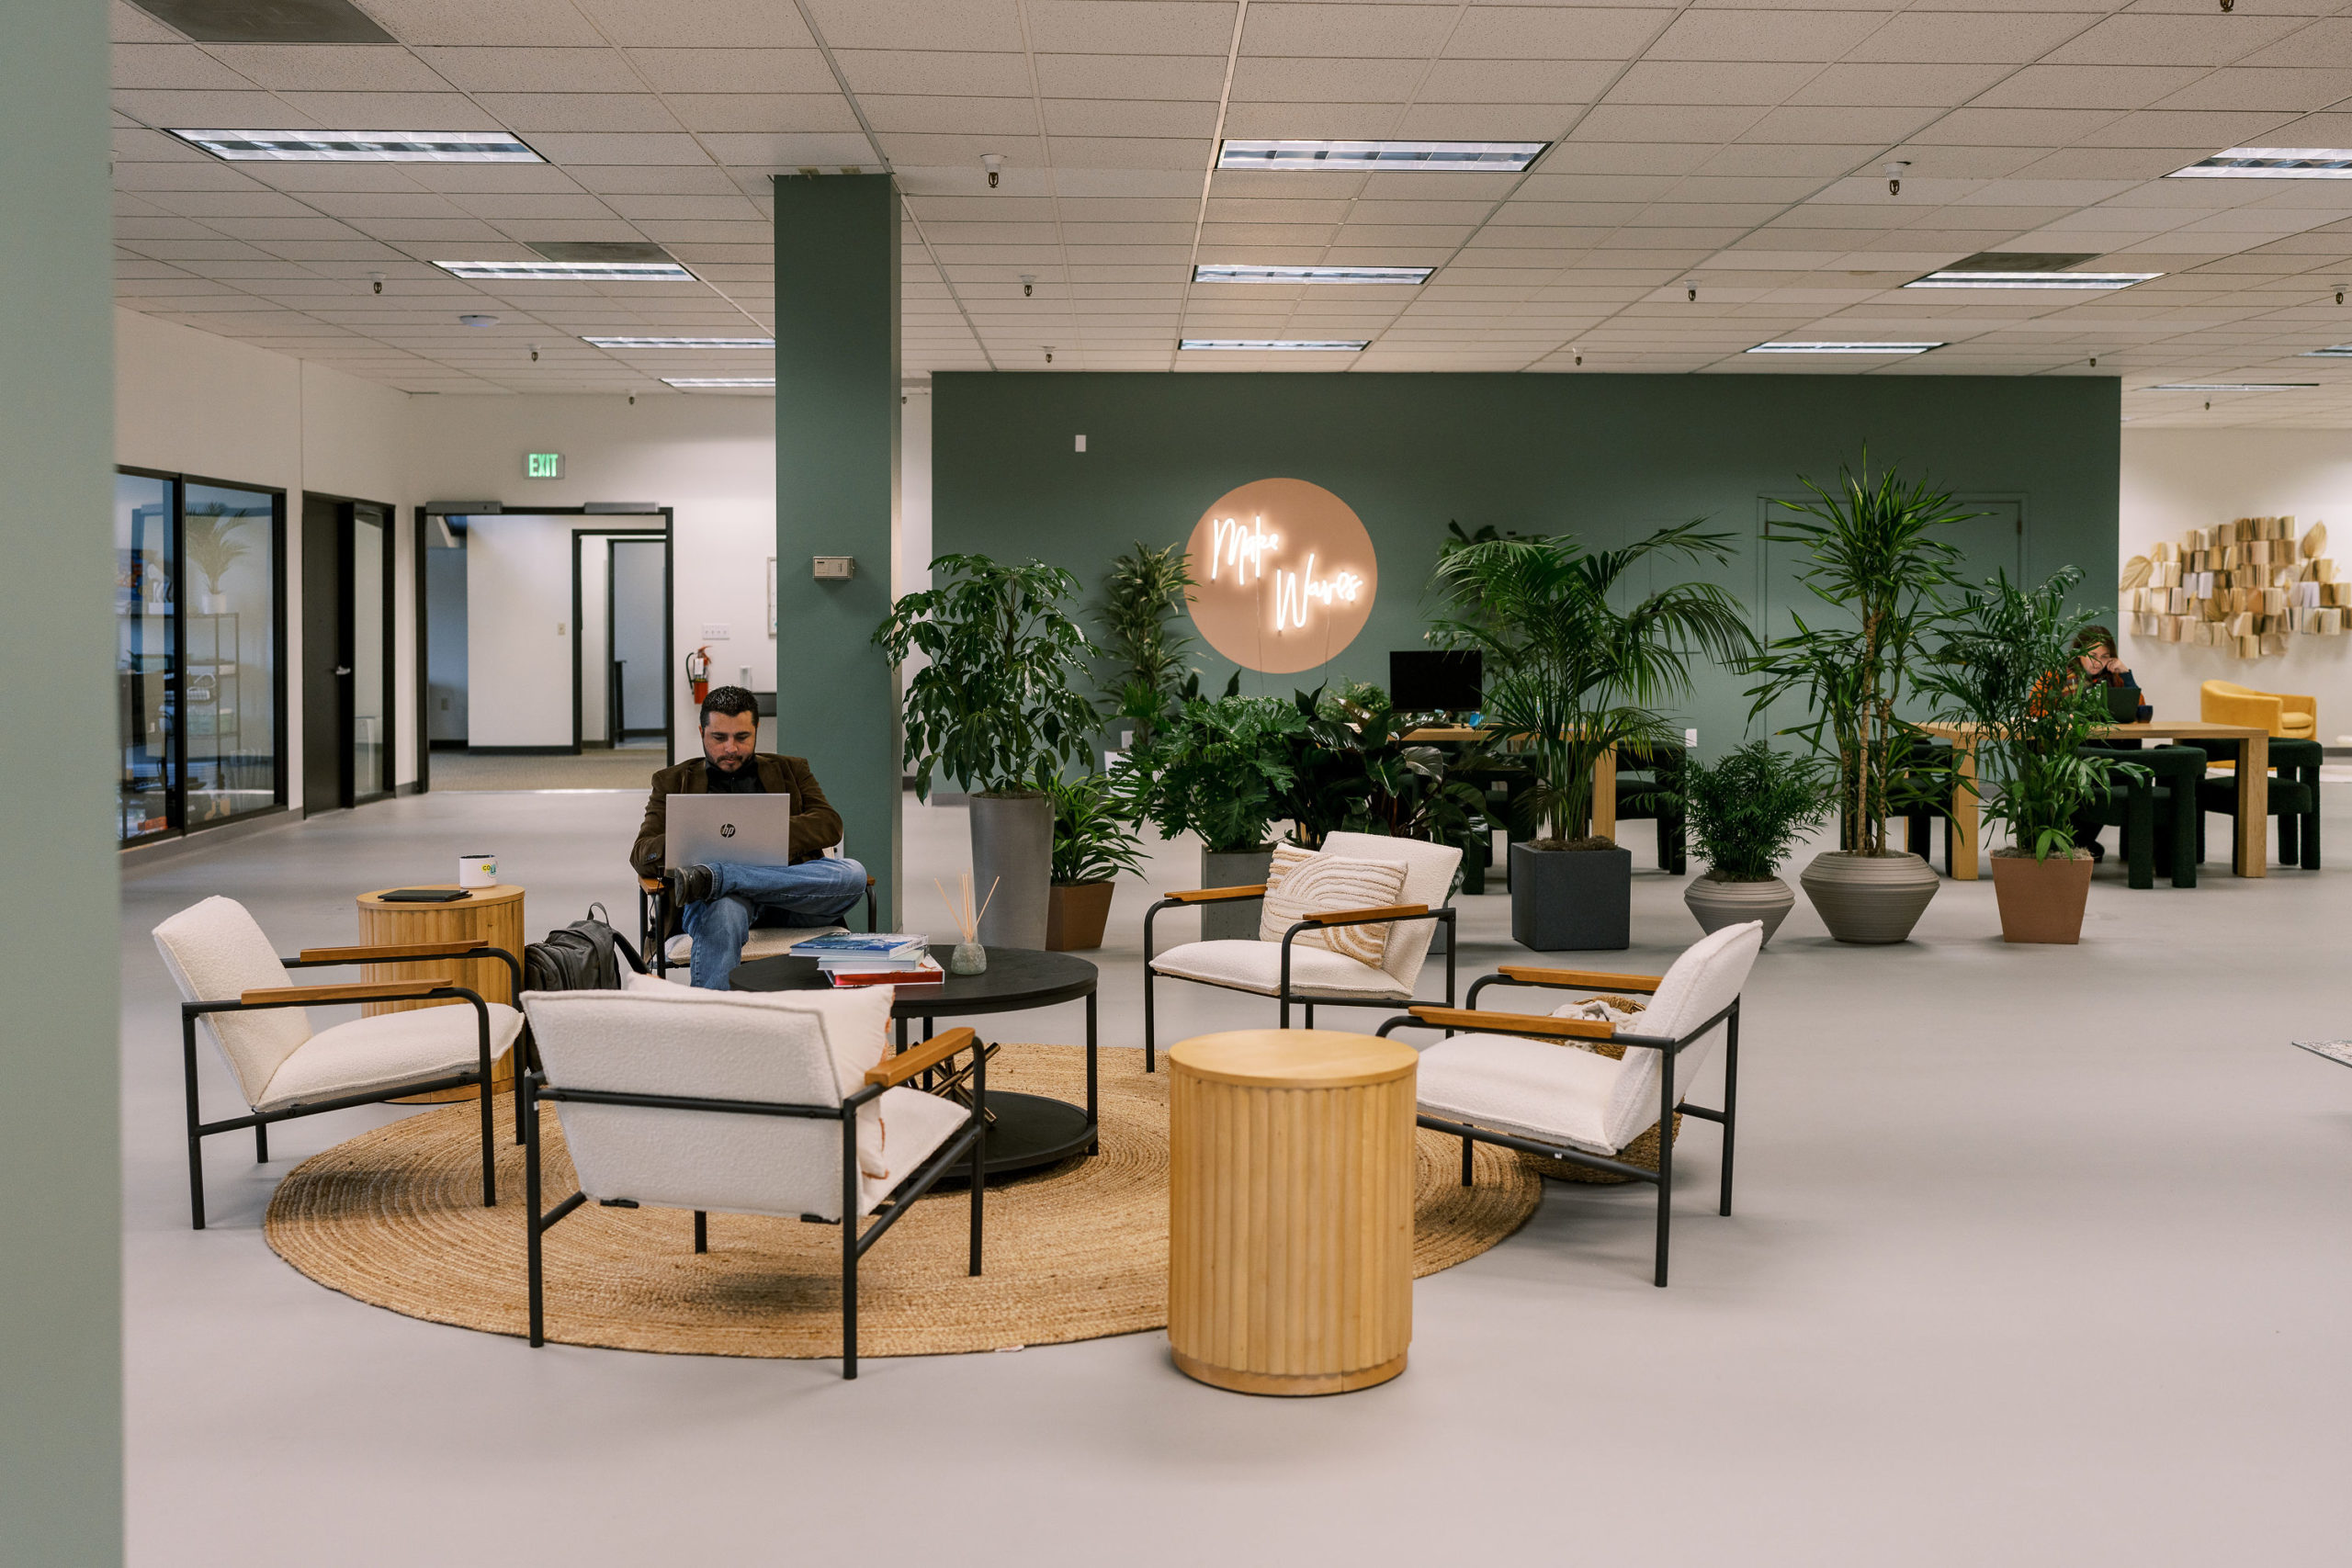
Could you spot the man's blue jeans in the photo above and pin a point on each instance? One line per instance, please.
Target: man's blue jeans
(812, 893)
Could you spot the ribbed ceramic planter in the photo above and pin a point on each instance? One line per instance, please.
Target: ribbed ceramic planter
(2041, 900)
(1869, 899)
(1715, 905)
(1235, 920)
(1571, 900)
(1012, 853)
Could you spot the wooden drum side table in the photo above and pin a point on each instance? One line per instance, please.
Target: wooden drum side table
(493, 914)
(1289, 1209)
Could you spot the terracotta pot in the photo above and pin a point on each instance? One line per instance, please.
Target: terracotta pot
(1076, 913)
(1716, 904)
(2041, 900)
(1868, 899)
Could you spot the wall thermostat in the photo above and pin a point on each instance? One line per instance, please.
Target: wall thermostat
(836, 568)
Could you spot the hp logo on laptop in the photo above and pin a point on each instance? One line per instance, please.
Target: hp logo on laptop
(727, 830)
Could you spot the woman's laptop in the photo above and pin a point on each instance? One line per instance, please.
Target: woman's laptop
(747, 829)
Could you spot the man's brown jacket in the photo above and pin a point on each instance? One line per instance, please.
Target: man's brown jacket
(816, 826)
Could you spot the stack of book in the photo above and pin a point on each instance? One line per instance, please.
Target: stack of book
(851, 958)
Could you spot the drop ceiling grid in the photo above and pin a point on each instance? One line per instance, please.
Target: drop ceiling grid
(1736, 145)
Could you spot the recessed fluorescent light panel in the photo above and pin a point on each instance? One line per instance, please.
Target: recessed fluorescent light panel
(1481, 157)
(692, 381)
(2233, 387)
(2076, 280)
(2271, 163)
(1312, 273)
(613, 272)
(362, 146)
(1327, 345)
(1843, 347)
(680, 341)
(2338, 351)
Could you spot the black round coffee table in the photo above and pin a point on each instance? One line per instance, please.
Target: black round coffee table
(1027, 1130)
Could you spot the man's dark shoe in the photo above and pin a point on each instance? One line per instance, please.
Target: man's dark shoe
(688, 883)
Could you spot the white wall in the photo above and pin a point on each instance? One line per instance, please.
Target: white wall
(518, 631)
(2176, 479)
(186, 402)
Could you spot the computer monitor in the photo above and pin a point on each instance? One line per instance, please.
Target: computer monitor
(1421, 681)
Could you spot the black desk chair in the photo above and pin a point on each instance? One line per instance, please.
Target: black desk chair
(2294, 795)
(2158, 815)
(1649, 785)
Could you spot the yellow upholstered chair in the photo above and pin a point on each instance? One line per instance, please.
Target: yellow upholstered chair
(2286, 716)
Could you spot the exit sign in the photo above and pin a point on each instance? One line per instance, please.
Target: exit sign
(543, 464)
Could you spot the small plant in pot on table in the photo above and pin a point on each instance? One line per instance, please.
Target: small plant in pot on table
(997, 711)
(1093, 846)
(1747, 812)
(1877, 565)
(1570, 677)
(2007, 668)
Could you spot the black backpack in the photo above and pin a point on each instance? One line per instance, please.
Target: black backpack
(582, 956)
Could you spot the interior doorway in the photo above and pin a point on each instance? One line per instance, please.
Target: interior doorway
(347, 652)
(621, 676)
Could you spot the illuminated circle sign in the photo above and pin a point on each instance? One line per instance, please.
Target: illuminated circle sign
(1284, 575)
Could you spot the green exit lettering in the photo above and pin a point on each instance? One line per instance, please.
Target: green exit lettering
(543, 466)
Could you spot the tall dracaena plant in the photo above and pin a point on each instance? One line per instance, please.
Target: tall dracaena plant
(1875, 559)
(1145, 590)
(995, 709)
(1569, 673)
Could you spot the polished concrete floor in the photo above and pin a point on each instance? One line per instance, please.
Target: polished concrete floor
(598, 767)
(2041, 1257)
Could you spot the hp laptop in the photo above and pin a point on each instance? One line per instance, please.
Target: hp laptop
(748, 829)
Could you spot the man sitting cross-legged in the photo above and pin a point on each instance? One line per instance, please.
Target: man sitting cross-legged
(720, 902)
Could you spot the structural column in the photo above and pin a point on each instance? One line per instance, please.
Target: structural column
(837, 494)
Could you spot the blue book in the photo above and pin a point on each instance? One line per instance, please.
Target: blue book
(861, 944)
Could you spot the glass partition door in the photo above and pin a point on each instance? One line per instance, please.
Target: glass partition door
(145, 508)
(371, 722)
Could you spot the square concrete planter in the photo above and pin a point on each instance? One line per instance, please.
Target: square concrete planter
(1570, 900)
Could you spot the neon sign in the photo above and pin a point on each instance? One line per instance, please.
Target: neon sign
(1287, 575)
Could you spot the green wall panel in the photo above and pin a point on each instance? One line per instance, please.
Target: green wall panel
(1606, 457)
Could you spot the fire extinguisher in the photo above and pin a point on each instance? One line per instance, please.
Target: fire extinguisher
(698, 673)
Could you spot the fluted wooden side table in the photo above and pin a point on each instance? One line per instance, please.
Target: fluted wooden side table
(493, 913)
(1290, 1218)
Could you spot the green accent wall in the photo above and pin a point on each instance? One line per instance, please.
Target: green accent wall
(837, 494)
(1605, 458)
(60, 1233)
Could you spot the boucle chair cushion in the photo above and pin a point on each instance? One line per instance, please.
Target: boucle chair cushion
(1258, 966)
(216, 953)
(384, 1051)
(1429, 879)
(793, 1047)
(1301, 883)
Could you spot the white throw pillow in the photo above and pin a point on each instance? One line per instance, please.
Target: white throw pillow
(1301, 883)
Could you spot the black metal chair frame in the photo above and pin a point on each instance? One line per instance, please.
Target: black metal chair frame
(1663, 1177)
(1660, 798)
(654, 915)
(1285, 996)
(966, 1144)
(259, 1121)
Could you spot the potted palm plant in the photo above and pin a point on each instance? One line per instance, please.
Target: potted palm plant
(1220, 768)
(1877, 562)
(1747, 811)
(1145, 590)
(996, 710)
(1093, 846)
(1569, 676)
(2006, 666)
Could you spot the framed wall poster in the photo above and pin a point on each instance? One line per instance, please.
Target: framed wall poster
(771, 595)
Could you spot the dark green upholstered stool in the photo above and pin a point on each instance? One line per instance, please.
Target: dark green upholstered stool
(2294, 795)
(1649, 784)
(1924, 790)
(2158, 814)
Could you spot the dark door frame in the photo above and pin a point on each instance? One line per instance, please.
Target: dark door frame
(669, 639)
(346, 515)
(668, 532)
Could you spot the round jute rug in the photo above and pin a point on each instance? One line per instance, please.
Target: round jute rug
(394, 1218)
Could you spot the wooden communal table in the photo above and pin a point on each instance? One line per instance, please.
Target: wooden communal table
(2250, 844)
(1604, 770)
(1289, 1209)
(493, 914)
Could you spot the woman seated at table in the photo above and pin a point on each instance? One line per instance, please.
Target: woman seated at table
(2096, 664)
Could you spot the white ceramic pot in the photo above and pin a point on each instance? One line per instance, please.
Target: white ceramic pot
(1868, 899)
(1715, 905)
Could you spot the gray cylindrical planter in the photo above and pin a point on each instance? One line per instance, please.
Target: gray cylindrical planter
(1719, 904)
(1868, 899)
(1013, 852)
(1563, 900)
(1237, 920)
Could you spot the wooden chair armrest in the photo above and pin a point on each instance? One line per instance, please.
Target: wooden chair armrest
(1383, 912)
(358, 992)
(1515, 1022)
(920, 1058)
(1579, 979)
(654, 884)
(1217, 895)
(392, 950)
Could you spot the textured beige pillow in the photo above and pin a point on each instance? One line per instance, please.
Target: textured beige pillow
(1301, 883)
